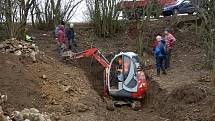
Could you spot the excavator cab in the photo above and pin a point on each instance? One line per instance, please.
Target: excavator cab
(123, 75)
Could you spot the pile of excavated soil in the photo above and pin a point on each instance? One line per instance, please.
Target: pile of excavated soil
(187, 102)
(188, 94)
(20, 85)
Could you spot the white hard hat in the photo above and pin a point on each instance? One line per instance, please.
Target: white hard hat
(158, 37)
(71, 25)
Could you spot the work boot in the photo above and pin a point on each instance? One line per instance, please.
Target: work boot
(164, 72)
(158, 72)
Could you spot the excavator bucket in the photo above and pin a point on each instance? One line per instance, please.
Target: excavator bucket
(69, 54)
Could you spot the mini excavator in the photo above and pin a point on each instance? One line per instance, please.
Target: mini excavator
(124, 79)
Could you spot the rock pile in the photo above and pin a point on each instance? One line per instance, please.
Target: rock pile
(25, 115)
(3, 99)
(19, 48)
(2, 117)
(30, 115)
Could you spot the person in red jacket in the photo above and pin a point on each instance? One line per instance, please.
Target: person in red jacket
(170, 40)
(61, 39)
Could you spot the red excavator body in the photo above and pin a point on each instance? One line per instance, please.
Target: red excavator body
(124, 80)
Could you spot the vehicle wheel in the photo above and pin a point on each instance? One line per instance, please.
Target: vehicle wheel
(175, 12)
(136, 105)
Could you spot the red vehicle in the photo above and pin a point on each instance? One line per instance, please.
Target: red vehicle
(124, 80)
(139, 6)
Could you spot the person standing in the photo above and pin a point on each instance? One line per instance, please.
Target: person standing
(160, 56)
(57, 28)
(170, 41)
(61, 39)
(157, 41)
(70, 35)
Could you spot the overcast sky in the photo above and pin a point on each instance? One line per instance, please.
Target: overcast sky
(80, 11)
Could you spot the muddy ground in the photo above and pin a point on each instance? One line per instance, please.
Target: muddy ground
(73, 91)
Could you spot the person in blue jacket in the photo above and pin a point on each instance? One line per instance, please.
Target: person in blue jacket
(160, 55)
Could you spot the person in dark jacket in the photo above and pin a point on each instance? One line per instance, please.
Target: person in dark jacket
(70, 35)
(160, 55)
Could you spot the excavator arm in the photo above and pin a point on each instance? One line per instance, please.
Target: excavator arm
(93, 52)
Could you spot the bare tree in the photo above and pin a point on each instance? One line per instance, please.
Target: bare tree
(51, 12)
(32, 13)
(1, 12)
(208, 33)
(69, 9)
(104, 16)
(24, 8)
(14, 12)
(153, 8)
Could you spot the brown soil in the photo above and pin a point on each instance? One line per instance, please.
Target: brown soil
(73, 89)
(21, 86)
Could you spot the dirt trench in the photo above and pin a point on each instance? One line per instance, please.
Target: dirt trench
(187, 102)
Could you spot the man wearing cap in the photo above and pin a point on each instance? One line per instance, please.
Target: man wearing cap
(70, 35)
(160, 54)
(157, 41)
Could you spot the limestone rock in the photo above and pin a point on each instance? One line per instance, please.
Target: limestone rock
(80, 107)
(17, 116)
(33, 110)
(1, 46)
(44, 77)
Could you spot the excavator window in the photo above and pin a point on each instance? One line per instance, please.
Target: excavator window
(116, 72)
(119, 72)
(123, 72)
(126, 66)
